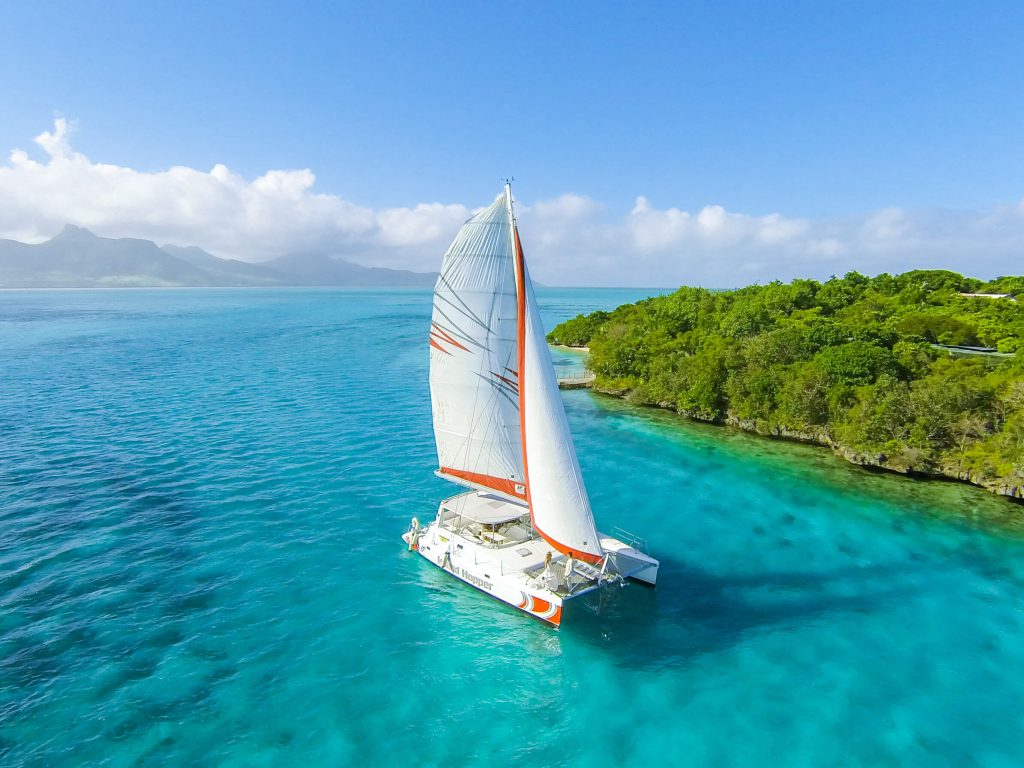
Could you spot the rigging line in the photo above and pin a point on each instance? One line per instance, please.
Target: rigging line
(499, 422)
(496, 428)
(466, 446)
(497, 387)
(465, 309)
(453, 322)
(455, 330)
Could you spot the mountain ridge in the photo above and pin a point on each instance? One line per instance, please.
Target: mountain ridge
(78, 258)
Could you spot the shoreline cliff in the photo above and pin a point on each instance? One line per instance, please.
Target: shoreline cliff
(821, 439)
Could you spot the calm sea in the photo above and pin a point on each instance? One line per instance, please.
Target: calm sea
(201, 498)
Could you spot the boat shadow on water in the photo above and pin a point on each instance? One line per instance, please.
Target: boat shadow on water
(694, 612)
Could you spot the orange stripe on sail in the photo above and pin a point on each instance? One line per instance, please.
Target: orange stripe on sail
(445, 336)
(435, 345)
(521, 358)
(506, 380)
(511, 487)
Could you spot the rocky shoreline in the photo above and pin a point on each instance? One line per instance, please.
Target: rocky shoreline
(880, 461)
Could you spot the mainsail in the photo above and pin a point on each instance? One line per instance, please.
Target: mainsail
(498, 416)
(474, 380)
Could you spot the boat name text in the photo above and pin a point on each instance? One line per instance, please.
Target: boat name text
(473, 579)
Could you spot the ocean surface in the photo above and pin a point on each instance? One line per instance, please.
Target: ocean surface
(201, 499)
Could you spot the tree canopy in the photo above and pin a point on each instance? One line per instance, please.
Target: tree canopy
(856, 362)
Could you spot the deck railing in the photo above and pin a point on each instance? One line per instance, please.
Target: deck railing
(636, 542)
(573, 374)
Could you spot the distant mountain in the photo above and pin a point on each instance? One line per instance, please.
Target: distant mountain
(320, 269)
(76, 258)
(232, 270)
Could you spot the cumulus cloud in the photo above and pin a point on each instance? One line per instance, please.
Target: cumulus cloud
(424, 225)
(571, 239)
(567, 207)
(279, 212)
(711, 227)
(714, 246)
(569, 223)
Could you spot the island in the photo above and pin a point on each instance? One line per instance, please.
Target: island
(920, 373)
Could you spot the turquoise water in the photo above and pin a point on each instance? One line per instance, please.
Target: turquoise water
(201, 497)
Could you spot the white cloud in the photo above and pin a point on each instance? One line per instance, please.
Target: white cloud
(567, 207)
(219, 210)
(566, 224)
(887, 226)
(426, 224)
(570, 239)
(711, 227)
(56, 144)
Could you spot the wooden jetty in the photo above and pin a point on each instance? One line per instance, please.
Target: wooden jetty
(575, 378)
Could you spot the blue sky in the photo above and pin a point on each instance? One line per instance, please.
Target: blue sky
(827, 114)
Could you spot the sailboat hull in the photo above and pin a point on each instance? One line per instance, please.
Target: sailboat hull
(634, 563)
(480, 568)
(486, 542)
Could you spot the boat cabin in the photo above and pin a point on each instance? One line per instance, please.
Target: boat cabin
(502, 527)
(490, 519)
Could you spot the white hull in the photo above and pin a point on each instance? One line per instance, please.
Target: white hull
(638, 565)
(468, 562)
(510, 565)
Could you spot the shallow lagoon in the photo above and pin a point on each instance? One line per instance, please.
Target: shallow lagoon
(201, 494)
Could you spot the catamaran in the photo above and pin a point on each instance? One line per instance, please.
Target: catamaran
(524, 532)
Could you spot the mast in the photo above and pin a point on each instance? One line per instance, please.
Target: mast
(520, 275)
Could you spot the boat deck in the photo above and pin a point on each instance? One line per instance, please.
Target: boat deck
(497, 532)
(511, 555)
(525, 560)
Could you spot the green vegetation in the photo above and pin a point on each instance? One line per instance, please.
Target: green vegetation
(578, 331)
(849, 363)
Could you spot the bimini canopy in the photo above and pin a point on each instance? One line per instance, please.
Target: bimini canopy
(486, 508)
